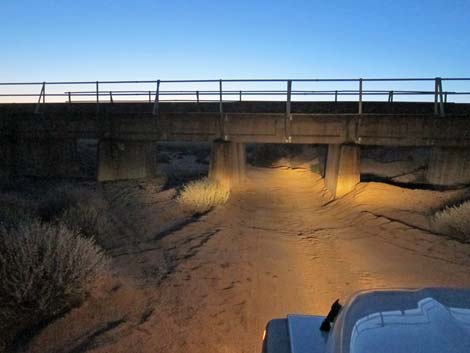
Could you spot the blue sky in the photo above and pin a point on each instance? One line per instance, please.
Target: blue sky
(123, 39)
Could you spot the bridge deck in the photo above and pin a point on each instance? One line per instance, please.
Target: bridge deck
(382, 123)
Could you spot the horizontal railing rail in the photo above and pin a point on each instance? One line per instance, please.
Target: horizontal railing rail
(233, 92)
(102, 92)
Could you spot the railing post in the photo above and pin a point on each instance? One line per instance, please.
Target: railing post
(441, 98)
(150, 96)
(197, 96)
(70, 97)
(336, 96)
(288, 117)
(111, 96)
(97, 97)
(360, 96)
(222, 130)
(221, 110)
(438, 97)
(157, 99)
(289, 97)
(42, 95)
(240, 96)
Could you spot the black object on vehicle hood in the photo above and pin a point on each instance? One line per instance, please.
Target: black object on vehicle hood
(431, 320)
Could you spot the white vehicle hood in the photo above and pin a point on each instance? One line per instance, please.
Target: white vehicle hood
(434, 320)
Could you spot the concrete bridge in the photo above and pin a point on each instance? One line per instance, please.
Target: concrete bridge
(127, 131)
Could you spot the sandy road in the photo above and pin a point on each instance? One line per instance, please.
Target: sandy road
(278, 246)
(279, 250)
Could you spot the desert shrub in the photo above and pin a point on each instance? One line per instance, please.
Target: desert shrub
(317, 168)
(44, 270)
(454, 221)
(57, 200)
(14, 210)
(85, 219)
(62, 198)
(81, 209)
(200, 196)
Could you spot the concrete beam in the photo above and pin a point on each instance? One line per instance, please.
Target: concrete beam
(342, 169)
(449, 166)
(227, 165)
(255, 127)
(120, 160)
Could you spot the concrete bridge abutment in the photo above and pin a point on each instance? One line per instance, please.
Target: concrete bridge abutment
(41, 157)
(228, 162)
(449, 166)
(120, 160)
(7, 157)
(342, 172)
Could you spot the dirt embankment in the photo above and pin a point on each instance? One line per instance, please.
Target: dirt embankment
(279, 246)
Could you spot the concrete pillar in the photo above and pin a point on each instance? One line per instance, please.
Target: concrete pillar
(227, 164)
(449, 166)
(44, 157)
(120, 160)
(342, 172)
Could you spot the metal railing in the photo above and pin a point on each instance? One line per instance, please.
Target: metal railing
(198, 95)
